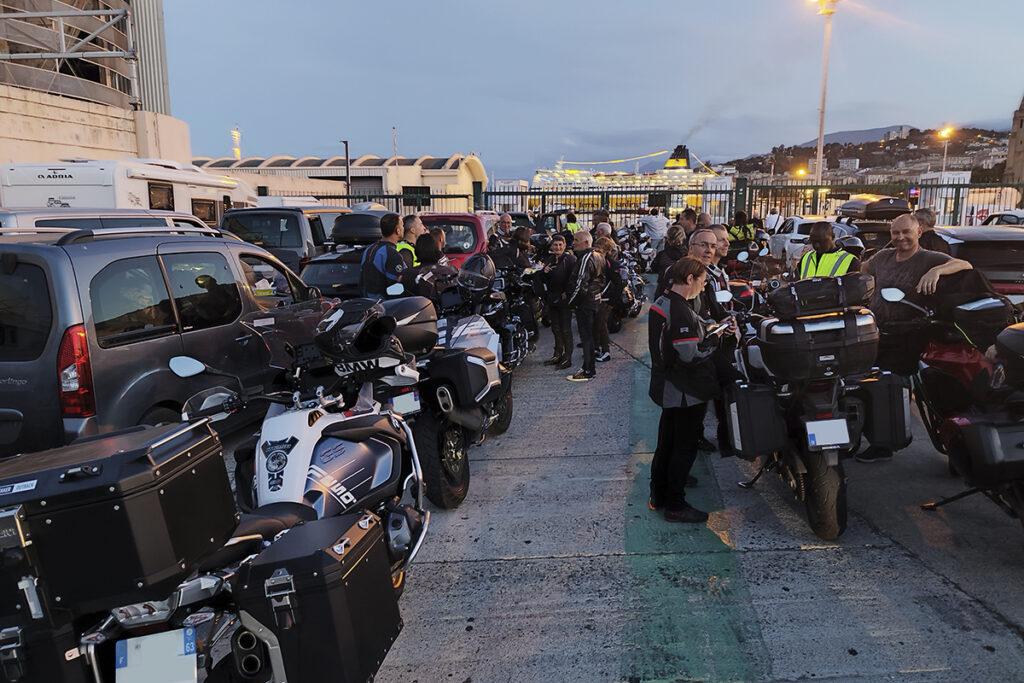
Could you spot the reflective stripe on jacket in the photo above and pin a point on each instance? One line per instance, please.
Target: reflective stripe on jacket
(829, 264)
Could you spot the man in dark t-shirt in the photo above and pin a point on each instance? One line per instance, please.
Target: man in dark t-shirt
(915, 271)
(929, 238)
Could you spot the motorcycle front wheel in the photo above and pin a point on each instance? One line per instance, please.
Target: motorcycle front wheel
(826, 496)
(504, 415)
(444, 456)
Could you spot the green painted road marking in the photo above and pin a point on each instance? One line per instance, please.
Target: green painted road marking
(693, 619)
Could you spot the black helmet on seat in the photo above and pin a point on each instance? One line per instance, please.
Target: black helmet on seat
(477, 273)
(357, 330)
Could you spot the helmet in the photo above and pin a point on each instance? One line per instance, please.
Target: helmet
(357, 330)
(852, 244)
(477, 273)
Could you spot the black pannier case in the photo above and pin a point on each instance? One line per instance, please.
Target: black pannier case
(822, 294)
(887, 404)
(116, 519)
(417, 318)
(992, 454)
(756, 427)
(324, 591)
(837, 344)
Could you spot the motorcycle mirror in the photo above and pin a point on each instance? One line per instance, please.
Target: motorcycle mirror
(186, 366)
(893, 295)
(395, 290)
(723, 296)
(753, 246)
(743, 256)
(763, 252)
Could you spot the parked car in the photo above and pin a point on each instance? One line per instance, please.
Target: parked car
(996, 251)
(1015, 217)
(90, 318)
(94, 218)
(294, 234)
(465, 234)
(791, 239)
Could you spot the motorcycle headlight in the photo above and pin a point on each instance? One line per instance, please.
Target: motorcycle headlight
(998, 377)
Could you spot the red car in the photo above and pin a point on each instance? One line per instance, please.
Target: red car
(465, 234)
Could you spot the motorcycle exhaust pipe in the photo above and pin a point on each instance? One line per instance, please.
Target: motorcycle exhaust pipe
(247, 641)
(444, 400)
(248, 655)
(251, 665)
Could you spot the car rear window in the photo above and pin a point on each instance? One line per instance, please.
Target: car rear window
(265, 229)
(993, 254)
(459, 236)
(25, 314)
(331, 273)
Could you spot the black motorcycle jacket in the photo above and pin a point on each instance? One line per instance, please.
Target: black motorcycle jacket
(588, 279)
(557, 278)
(682, 370)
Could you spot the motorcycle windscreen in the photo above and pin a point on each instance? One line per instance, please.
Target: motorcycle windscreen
(468, 333)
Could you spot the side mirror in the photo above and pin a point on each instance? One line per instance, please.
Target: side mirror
(186, 366)
(800, 240)
(893, 295)
(395, 290)
(763, 252)
(743, 256)
(753, 247)
(315, 293)
(723, 296)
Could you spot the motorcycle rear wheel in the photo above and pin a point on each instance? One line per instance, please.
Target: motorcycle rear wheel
(444, 456)
(826, 497)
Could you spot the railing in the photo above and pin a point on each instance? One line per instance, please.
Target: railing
(401, 203)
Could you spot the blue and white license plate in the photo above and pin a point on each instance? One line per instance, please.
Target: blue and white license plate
(407, 403)
(168, 657)
(827, 433)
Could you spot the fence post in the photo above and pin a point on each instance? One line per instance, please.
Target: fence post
(543, 203)
(740, 199)
(815, 198)
(956, 204)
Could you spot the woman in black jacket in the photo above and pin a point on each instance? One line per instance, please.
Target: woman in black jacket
(682, 380)
(675, 249)
(557, 269)
(431, 277)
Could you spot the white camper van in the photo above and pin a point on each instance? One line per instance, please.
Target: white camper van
(123, 184)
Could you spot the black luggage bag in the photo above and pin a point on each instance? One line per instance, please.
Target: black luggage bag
(887, 403)
(324, 592)
(991, 455)
(113, 520)
(822, 294)
(756, 425)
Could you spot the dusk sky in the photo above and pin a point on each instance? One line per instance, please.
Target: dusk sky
(522, 83)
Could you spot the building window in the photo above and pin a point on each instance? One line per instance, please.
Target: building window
(161, 196)
(416, 195)
(205, 210)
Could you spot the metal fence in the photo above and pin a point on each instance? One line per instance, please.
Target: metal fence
(400, 203)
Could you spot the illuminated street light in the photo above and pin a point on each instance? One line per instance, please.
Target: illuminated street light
(944, 134)
(801, 171)
(826, 8)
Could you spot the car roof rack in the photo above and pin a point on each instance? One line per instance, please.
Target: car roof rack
(74, 236)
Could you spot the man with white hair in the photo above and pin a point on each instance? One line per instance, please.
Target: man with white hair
(602, 230)
(929, 239)
(502, 233)
(586, 283)
(772, 222)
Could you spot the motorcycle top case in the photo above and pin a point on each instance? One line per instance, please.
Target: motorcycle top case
(119, 518)
(1010, 347)
(417, 323)
(756, 427)
(820, 346)
(324, 591)
(993, 454)
(822, 294)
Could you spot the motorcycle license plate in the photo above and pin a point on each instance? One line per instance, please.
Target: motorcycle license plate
(406, 404)
(827, 433)
(168, 657)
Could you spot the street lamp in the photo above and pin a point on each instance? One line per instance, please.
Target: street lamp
(944, 134)
(827, 8)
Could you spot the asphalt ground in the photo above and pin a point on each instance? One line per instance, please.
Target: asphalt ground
(554, 569)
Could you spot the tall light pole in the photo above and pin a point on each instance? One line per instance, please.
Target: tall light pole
(348, 171)
(944, 134)
(827, 8)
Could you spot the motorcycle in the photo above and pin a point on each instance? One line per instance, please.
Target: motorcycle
(808, 392)
(971, 405)
(632, 298)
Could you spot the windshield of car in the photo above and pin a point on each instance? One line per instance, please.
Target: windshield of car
(460, 236)
(265, 229)
(25, 313)
(993, 254)
(1006, 219)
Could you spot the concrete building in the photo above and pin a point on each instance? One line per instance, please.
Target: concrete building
(1015, 153)
(109, 106)
(849, 164)
(462, 177)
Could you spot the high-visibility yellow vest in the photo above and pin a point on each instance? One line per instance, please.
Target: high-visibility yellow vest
(830, 264)
(741, 232)
(572, 227)
(405, 246)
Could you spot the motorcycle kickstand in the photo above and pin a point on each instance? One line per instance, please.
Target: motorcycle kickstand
(932, 507)
(749, 484)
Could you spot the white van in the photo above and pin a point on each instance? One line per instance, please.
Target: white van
(123, 184)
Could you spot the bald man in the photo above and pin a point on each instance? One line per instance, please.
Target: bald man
(915, 271)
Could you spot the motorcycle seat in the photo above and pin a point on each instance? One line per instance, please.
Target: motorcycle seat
(263, 524)
(362, 427)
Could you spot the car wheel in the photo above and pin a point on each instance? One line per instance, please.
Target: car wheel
(159, 416)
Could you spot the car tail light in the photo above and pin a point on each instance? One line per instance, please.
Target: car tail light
(74, 373)
(302, 263)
